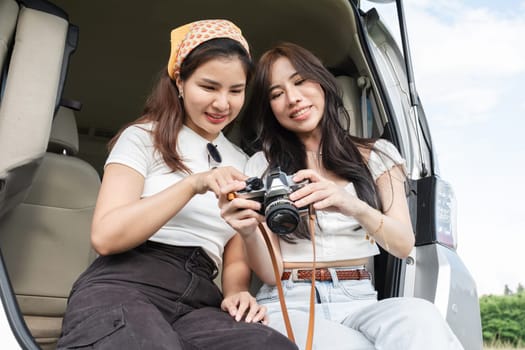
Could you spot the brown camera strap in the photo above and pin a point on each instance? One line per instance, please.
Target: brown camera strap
(289, 331)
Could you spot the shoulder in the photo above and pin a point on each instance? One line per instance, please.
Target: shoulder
(382, 157)
(134, 147)
(256, 165)
(137, 133)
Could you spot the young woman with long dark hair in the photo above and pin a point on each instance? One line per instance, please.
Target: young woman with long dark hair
(356, 187)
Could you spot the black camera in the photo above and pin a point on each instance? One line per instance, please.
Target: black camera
(282, 216)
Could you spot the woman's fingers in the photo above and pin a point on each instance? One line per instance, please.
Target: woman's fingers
(324, 195)
(227, 192)
(243, 305)
(245, 222)
(311, 188)
(307, 174)
(230, 306)
(220, 177)
(256, 312)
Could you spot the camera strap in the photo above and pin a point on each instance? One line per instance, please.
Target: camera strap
(284, 310)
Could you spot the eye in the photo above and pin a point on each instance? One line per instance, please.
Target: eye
(237, 91)
(208, 87)
(299, 81)
(275, 95)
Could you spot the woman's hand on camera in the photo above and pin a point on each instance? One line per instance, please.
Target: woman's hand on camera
(324, 194)
(243, 305)
(214, 179)
(240, 213)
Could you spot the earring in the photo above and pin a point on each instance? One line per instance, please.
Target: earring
(181, 96)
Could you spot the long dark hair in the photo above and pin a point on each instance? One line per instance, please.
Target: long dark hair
(283, 148)
(164, 107)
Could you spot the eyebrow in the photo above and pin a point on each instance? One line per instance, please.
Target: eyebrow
(215, 83)
(277, 85)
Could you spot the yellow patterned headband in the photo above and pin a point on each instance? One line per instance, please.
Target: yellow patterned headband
(187, 37)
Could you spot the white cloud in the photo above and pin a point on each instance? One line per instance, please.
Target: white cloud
(458, 104)
(464, 58)
(473, 42)
(491, 237)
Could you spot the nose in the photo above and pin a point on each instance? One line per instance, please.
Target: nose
(294, 96)
(221, 102)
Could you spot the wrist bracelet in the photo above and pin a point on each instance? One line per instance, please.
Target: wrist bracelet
(379, 227)
(372, 235)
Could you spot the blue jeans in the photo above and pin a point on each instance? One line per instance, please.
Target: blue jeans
(348, 316)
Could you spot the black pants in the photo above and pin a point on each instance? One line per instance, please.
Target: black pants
(156, 296)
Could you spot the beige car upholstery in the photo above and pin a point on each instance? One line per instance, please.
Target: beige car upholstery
(351, 99)
(28, 104)
(8, 15)
(48, 234)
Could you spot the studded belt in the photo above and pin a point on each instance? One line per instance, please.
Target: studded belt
(325, 275)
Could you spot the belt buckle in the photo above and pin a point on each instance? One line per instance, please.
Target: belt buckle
(294, 274)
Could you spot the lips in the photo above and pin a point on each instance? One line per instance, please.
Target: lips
(216, 118)
(300, 112)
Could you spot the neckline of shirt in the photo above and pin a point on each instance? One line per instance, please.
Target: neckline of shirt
(195, 136)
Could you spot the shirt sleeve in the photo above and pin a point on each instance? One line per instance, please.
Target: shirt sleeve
(383, 157)
(134, 148)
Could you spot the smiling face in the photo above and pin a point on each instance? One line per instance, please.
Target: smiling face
(213, 95)
(297, 103)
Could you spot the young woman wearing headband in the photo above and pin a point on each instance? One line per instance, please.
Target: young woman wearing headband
(157, 226)
(357, 189)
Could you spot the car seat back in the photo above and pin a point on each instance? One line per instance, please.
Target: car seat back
(48, 235)
(32, 75)
(350, 93)
(8, 16)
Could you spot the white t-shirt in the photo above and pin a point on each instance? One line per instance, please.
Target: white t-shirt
(337, 237)
(199, 222)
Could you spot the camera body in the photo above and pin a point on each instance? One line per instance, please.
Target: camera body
(282, 216)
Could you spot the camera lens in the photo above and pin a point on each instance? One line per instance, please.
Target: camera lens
(282, 217)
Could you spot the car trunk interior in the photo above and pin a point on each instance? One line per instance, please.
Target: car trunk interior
(122, 49)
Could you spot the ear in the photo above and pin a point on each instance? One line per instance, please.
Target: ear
(180, 85)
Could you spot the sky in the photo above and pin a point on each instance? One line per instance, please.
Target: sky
(469, 66)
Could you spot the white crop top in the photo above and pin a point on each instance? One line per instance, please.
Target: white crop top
(199, 222)
(338, 237)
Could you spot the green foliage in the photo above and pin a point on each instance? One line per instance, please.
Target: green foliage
(503, 317)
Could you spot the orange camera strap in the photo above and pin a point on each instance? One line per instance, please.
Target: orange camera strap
(289, 331)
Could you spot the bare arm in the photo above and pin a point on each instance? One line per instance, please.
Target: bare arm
(236, 275)
(122, 220)
(235, 272)
(392, 229)
(241, 214)
(259, 257)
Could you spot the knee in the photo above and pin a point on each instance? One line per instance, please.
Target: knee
(277, 340)
(420, 312)
(258, 336)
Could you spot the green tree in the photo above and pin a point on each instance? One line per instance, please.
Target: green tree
(503, 317)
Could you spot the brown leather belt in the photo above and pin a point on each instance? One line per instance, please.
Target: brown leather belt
(324, 275)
